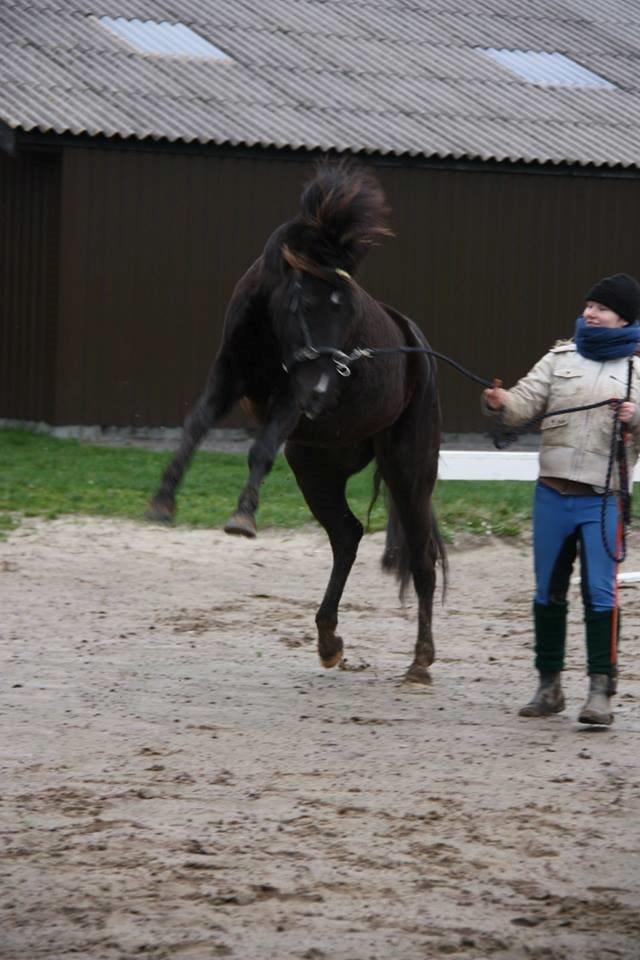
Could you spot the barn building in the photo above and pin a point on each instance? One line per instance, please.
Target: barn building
(148, 148)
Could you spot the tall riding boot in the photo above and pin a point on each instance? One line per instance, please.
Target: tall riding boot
(547, 699)
(597, 707)
(550, 622)
(602, 672)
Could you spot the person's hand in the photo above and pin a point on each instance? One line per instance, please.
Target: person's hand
(495, 397)
(627, 410)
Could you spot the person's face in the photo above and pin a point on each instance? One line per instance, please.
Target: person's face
(597, 315)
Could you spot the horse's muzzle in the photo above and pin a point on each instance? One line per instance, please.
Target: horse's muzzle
(320, 397)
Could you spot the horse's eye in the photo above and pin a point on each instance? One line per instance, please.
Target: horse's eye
(335, 298)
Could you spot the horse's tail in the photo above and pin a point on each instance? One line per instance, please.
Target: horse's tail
(395, 558)
(345, 206)
(422, 425)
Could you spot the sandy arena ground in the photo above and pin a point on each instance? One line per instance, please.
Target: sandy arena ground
(181, 779)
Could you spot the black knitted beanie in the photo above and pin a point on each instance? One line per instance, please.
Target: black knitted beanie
(620, 292)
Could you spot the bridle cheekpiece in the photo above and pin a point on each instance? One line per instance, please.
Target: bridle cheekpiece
(302, 264)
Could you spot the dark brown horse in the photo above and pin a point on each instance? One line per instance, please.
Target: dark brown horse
(291, 351)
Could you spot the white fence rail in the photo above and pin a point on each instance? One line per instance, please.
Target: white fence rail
(492, 465)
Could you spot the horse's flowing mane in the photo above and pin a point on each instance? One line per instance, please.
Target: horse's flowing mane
(342, 213)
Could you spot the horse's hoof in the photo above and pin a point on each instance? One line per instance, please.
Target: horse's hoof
(160, 512)
(332, 661)
(330, 647)
(417, 676)
(241, 525)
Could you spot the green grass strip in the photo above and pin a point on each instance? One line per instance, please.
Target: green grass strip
(47, 477)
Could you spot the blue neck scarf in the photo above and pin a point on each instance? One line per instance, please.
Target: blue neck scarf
(606, 343)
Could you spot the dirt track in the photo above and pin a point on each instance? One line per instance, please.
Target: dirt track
(181, 779)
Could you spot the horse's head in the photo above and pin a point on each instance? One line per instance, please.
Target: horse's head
(314, 311)
(309, 262)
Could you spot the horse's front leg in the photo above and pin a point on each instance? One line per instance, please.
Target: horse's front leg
(220, 394)
(322, 475)
(344, 547)
(262, 454)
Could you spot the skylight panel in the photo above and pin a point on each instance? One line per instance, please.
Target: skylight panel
(163, 39)
(547, 69)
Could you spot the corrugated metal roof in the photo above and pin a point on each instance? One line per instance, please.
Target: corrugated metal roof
(147, 36)
(395, 77)
(547, 69)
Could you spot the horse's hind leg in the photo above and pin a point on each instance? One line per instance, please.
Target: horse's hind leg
(219, 396)
(424, 578)
(416, 550)
(322, 475)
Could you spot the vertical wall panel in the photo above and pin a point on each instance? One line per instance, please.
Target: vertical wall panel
(152, 246)
(492, 264)
(495, 265)
(29, 188)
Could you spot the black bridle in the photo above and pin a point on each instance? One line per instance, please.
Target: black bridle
(309, 351)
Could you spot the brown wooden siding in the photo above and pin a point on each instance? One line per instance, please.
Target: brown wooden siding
(28, 297)
(492, 264)
(495, 266)
(151, 250)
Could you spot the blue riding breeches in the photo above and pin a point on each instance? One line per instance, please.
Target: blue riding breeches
(562, 522)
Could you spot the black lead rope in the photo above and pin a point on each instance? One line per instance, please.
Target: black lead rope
(343, 361)
(618, 453)
(501, 437)
(381, 351)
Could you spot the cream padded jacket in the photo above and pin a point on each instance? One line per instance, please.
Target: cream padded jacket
(576, 446)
